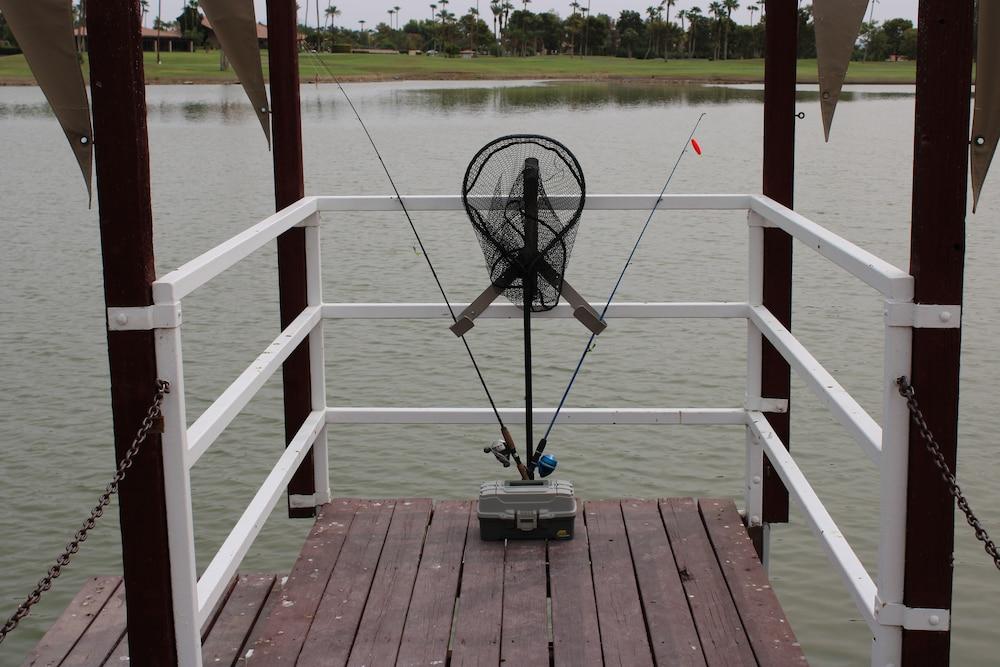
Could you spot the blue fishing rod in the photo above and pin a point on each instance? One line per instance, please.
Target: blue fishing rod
(545, 462)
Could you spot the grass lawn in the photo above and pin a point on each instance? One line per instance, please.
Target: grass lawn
(203, 67)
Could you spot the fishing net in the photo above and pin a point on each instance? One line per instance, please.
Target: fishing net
(494, 196)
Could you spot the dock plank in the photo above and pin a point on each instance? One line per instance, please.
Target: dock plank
(224, 643)
(273, 600)
(576, 637)
(480, 603)
(335, 625)
(768, 630)
(102, 636)
(73, 622)
(427, 630)
(525, 633)
(280, 633)
(619, 611)
(381, 628)
(722, 636)
(672, 633)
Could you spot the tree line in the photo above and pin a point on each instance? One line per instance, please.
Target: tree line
(517, 31)
(657, 32)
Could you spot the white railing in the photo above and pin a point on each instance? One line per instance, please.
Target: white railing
(885, 445)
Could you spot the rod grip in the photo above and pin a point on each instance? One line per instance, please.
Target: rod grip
(512, 448)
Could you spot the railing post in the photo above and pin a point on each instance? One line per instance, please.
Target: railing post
(754, 476)
(317, 356)
(177, 480)
(892, 491)
(779, 179)
(937, 259)
(286, 132)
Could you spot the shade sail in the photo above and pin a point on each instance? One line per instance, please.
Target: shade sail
(986, 119)
(44, 31)
(838, 23)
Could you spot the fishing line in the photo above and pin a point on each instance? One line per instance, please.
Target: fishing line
(590, 343)
(416, 234)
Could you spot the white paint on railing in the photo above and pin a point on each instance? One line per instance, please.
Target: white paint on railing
(412, 311)
(839, 551)
(888, 279)
(220, 571)
(569, 416)
(594, 202)
(182, 281)
(847, 411)
(221, 413)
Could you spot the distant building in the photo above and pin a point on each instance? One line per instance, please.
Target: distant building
(170, 39)
(467, 53)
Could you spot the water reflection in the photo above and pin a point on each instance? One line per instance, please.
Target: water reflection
(226, 104)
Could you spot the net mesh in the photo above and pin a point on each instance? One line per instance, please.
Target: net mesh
(493, 194)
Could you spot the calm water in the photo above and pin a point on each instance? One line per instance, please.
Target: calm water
(212, 178)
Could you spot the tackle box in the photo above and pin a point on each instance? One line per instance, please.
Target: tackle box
(533, 509)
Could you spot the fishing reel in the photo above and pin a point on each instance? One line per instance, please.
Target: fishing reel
(499, 450)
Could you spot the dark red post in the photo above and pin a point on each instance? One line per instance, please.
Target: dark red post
(781, 43)
(289, 187)
(937, 260)
(117, 87)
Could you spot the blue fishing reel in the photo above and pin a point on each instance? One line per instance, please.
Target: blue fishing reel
(546, 464)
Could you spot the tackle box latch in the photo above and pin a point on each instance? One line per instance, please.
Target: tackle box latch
(526, 520)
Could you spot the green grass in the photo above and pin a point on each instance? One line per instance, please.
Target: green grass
(204, 67)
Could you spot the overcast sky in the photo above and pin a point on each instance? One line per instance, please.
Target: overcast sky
(374, 11)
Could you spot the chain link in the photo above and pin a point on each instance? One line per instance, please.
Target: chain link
(23, 609)
(909, 393)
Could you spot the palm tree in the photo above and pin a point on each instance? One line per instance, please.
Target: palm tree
(497, 10)
(390, 12)
(332, 12)
(718, 11)
(433, 9)
(526, 3)
(668, 4)
(694, 15)
(397, 16)
(730, 5)
(473, 24)
(752, 8)
(145, 9)
(586, 26)
(364, 33)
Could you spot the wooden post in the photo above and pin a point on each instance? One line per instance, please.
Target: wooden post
(937, 256)
(779, 179)
(289, 187)
(126, 224)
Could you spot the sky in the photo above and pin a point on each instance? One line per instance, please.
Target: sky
(375, 11)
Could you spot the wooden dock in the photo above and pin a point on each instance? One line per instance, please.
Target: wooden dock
(407, 582)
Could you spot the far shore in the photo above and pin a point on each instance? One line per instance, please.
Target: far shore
(203, 68)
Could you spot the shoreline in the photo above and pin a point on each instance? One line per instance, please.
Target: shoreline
(462, 76)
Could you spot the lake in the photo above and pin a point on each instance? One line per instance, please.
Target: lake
(211, 177)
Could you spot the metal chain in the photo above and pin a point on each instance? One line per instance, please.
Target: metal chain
(23, 609)
(909, 393)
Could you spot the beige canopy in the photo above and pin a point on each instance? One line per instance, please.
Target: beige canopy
(986, 120)
(235, 24)
(838, 23)
(44, 31)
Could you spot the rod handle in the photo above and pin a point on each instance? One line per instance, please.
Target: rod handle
(512, 448)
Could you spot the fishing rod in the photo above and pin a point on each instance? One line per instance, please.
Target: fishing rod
(509, 446)
(550, 463)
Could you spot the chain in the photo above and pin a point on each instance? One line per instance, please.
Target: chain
(23, 609)
(909, 393)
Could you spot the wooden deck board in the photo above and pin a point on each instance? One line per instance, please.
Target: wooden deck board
(432, 608)
(225, 641)
(619, 611)
(576, 637)
(281, 634)
(671, 629)
(480, 603)
(403, 582)
(712, 608)
(381, 627)
(101, 637)
(73, 623)
(333, 629)
(770, 635)
(525, 633)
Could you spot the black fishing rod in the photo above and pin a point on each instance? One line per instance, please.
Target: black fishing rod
(533, 461)
(508, 439)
